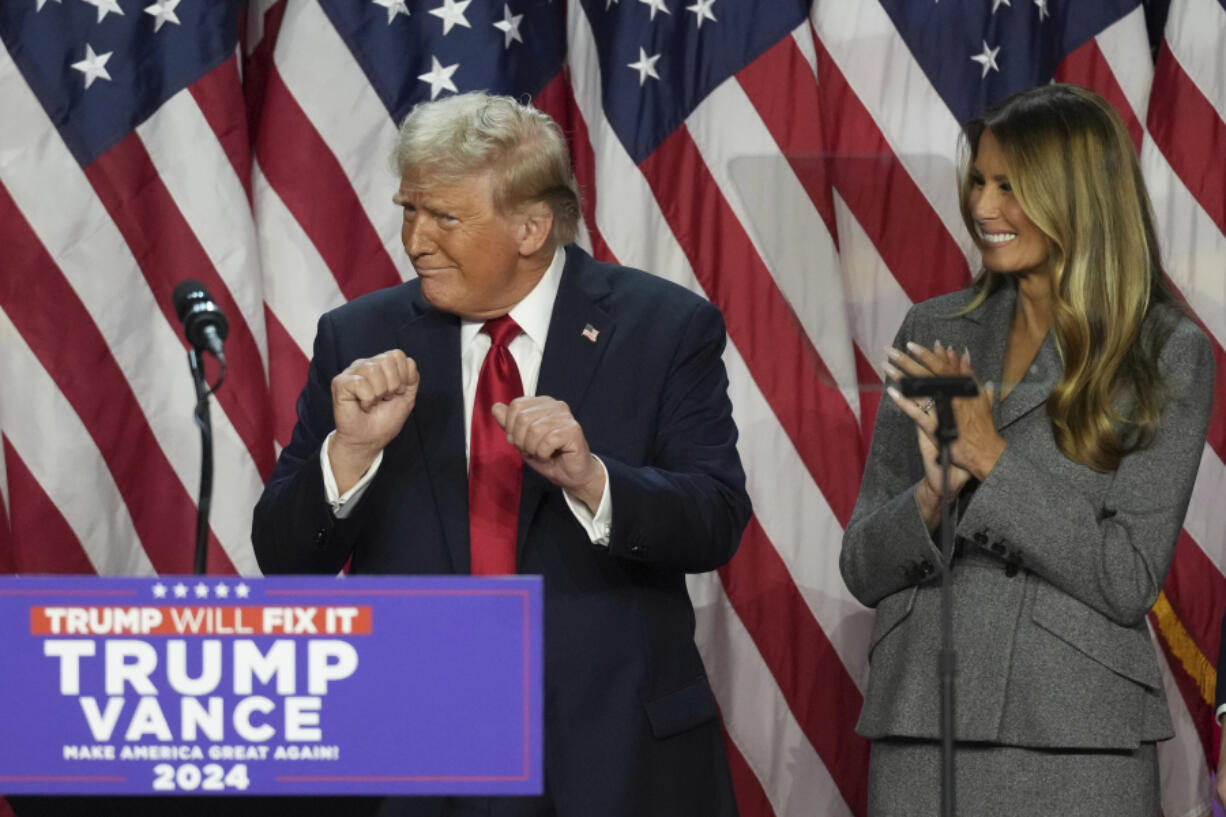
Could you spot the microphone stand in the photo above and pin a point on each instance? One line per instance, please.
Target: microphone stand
(941, 390)
(195, 361)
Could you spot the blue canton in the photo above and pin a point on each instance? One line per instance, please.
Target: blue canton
(977, 52)
(100, 73)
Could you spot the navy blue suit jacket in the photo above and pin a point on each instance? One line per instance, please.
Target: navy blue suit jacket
(630, 721)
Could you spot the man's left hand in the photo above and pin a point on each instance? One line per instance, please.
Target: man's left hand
(552, 443)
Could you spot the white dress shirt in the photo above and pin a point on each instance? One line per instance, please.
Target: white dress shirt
(532, 314)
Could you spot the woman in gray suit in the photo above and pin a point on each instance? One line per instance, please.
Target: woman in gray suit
(1072, 474)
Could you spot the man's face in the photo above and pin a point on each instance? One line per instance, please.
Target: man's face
(466, 253)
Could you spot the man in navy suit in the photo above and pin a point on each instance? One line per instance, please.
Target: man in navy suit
(623, 477)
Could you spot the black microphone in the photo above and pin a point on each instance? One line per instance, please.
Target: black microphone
(203, 321)
(952, 385)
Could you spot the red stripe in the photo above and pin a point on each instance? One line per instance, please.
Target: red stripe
(870, 398)
(1196, 590)
(287, 373)
(167, 251)
(1191, 136)
(62, 334)
(258, 65)
(819, 691)
(908, 234)
(782, 88)
(1200, 711)
(219, 94)
(43, 542)
(751, 798)
(1217, 418)
(301, 167)
(781, 358)
(558, 100)
(1088, 67)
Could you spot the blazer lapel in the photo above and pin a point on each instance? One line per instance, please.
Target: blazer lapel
(580, 330)
(1035, 386)
(433, 341)
(991, 336)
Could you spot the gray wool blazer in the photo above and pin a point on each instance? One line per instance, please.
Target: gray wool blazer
(1057, 564)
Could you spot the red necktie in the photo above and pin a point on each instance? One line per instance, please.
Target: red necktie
(495, 467)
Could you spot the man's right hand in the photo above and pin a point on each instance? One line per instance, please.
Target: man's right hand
(371, 399)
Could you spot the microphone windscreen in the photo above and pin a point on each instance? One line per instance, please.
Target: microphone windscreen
(187, 294)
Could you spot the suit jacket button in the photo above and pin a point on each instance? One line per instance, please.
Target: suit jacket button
(926, 568)
(321, 537)
(981, 538)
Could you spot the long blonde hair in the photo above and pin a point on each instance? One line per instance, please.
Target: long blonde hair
(1074, 172)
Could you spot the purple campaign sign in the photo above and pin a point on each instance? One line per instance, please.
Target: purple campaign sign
(286, 685)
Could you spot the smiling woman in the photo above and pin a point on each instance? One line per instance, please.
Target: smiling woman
(1071, 474)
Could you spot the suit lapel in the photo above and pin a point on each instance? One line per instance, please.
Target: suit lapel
(989, 333)
(580, 330)
(433, 341)
(1035, 386)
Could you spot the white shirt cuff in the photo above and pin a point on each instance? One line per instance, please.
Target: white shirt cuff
(343, 504)
(1221, 711)
(598, 526)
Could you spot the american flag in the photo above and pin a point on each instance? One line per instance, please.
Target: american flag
(791, 160)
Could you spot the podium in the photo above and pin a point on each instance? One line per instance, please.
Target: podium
(191, 685)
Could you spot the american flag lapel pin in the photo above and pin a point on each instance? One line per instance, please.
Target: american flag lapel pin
(590, 332)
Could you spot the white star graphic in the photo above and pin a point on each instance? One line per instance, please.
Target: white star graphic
(998, 3)
(987, 59)
(105, 7)
(93, 66)
(393, 7)
(702, 11)
(452, 14)
(221, 591)
(656, 5)
(180, 590)
(164, 11)
(509, 26)
(159, 591)
(1043, 12)
(202, 591)
(439, 77)
(646, 66)
(42, 3)
(241, 590)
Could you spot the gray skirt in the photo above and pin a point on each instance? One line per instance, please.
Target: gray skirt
(904, 780)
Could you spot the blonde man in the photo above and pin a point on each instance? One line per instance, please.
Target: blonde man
(612, 474)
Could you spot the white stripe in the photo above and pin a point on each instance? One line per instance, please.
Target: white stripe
(1181, 762)
(780, 220)
(1124, 45)
(4, 482)
(1206, 519)
(919, 128)
(1195, 31)
(298, 287)
(876, 304)
(798, 520)
(1193, 247)
(256, 10)
(212, 200)
(109, 283)
(337, 97)
(755, 712)
(85, 493)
